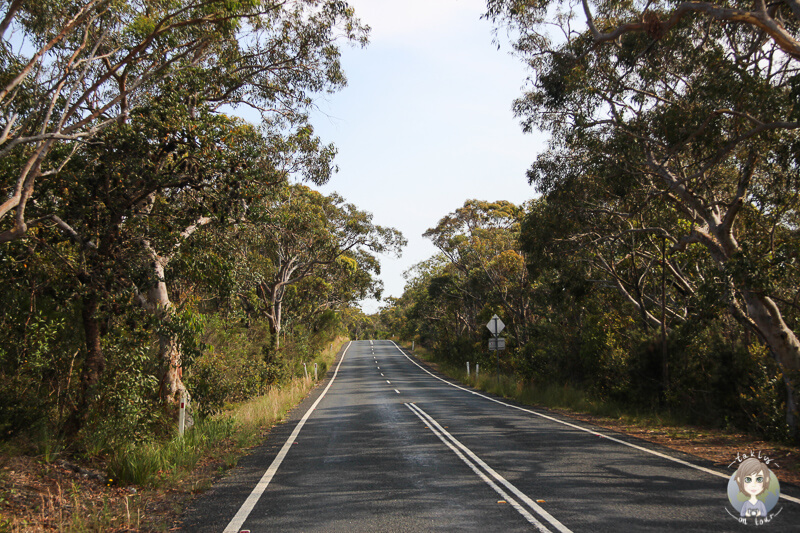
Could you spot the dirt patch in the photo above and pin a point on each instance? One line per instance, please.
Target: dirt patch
(36, 496)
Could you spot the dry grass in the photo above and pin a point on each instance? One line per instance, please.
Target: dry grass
(40, 496)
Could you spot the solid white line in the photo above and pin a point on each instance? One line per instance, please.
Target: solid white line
(586, 430)
(247, 507)
(524, 512)
(518, 493)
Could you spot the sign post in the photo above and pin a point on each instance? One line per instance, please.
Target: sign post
(496, 344)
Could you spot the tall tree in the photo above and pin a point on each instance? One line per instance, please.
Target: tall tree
(294, 233)
(70, 69)
(480, 240)
(682, 120)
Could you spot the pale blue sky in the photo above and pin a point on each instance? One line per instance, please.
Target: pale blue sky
(425, 122)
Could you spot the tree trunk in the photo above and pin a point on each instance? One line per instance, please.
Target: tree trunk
(93, 365)
(275, 323)
(171, 385)
(769, 321)
(766, 318)
(95, 362)
(157, 301)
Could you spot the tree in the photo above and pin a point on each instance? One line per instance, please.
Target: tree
(680, 121)
(114, 139)
(480, 241)
(92, 62)
(295, 233)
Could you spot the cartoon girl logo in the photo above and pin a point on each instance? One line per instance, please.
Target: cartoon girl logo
(753, 489)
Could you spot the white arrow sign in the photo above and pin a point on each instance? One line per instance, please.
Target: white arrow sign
(495, 325)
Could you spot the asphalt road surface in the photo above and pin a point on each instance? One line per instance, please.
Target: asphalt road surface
(385, 445)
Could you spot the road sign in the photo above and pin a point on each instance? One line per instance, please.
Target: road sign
(495, 325)
(497, 343)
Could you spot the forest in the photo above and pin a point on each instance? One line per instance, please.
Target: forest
(155, 244)
(658, 267)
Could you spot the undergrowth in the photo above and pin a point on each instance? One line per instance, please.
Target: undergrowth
(549, 395)
(146, 472)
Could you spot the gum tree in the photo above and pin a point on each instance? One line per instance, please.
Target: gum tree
(71, 69)
(114, 141)
(679, 121)
(295, 234)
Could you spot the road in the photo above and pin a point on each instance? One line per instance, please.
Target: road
(386, 445)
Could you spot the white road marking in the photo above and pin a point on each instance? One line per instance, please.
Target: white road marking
(389, 382)
(397, 391)
(452, 443)
(586, 430)
(244, 511)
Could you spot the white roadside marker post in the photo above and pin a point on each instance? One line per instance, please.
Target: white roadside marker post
(182, 414)
(467, 368)
(412, 346)
(316, 378)
(477, 370)
(305, 370)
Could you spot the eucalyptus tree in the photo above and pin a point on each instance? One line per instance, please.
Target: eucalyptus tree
(115, 143)
(71, 69)
(294, 233)
(680, 122)
(433, 305)
(342, 284)
(130, 202)
(480, 239)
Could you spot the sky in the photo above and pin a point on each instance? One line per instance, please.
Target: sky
(425, 122)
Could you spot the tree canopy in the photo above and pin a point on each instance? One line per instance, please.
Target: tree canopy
(675, 154)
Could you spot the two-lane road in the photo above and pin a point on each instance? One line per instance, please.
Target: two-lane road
(388, 446)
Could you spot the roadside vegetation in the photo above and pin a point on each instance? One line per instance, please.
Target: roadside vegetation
(658, 269)
(141, 487)
(155, 246)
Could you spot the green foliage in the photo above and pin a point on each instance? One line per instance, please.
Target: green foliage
(586, 346)
(129, 272)
(763, 397)
(127, 407)
(670, 204)
(153, 463)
